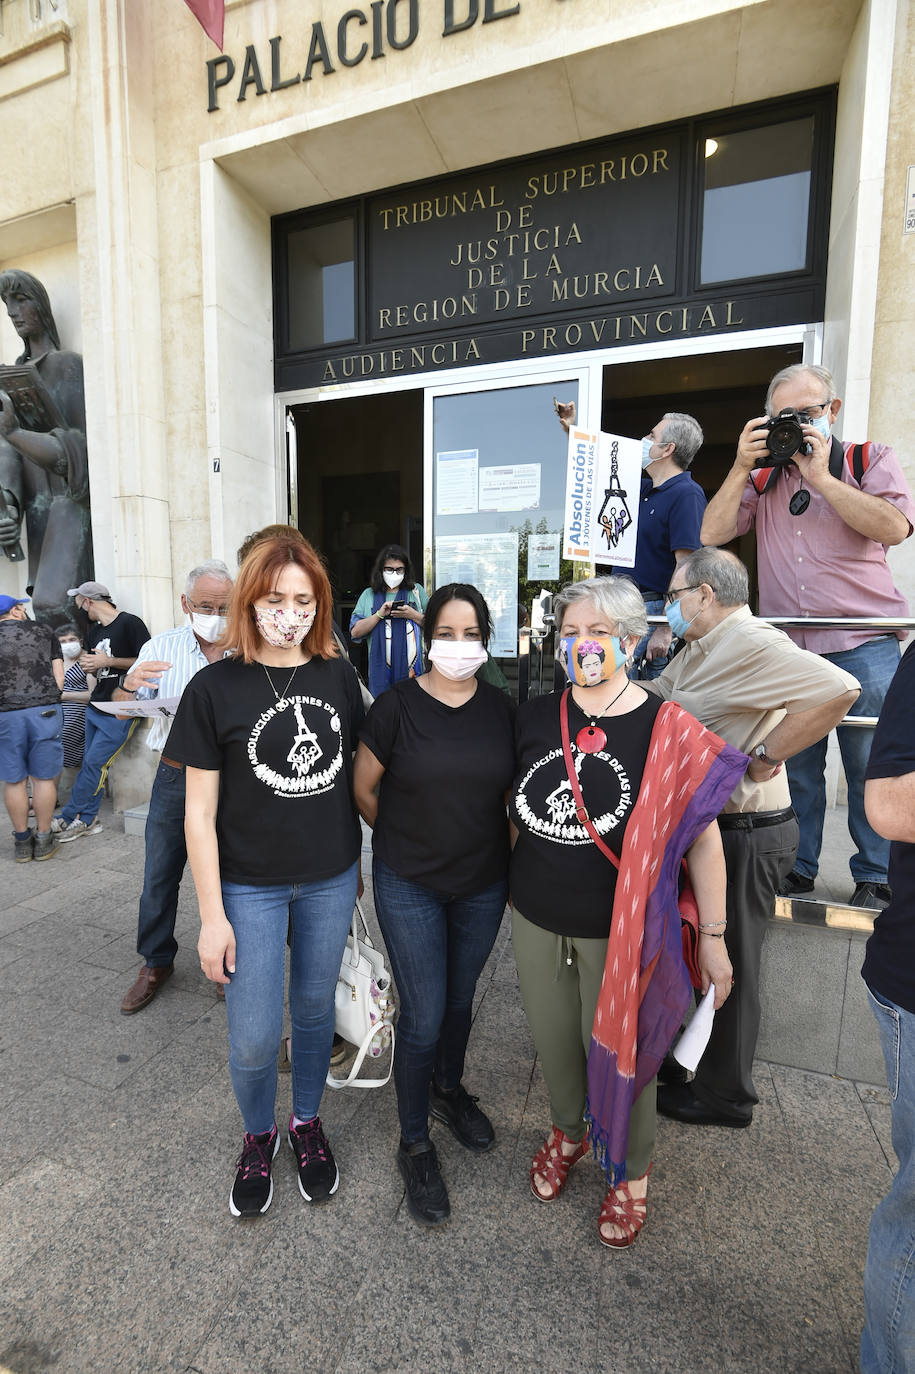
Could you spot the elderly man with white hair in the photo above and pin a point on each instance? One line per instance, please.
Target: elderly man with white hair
(164, 667)
(747, 682)
(824, 516)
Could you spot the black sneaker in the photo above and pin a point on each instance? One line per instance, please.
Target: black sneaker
(460, 1113)
(794, 884)
(873, 895)
(427, 1196)
(319, 1177)
(252, 1191)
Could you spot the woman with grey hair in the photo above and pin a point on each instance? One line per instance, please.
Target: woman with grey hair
(613, 789)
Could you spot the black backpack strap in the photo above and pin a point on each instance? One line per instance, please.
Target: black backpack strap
(836, 458)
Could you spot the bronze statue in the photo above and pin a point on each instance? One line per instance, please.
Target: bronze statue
(44, 470)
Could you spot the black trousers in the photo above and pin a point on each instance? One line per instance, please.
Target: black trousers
(756, 860)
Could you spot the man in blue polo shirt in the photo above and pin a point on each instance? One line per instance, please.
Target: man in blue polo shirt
(670, 518)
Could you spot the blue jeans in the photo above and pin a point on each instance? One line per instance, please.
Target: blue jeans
(438, 946)
(317, 918)
(873, 664)
(105, 737)
(888, 1341)
(657, 665)
(166, 857)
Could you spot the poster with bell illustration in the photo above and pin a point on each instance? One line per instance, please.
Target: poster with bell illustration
(603, 484)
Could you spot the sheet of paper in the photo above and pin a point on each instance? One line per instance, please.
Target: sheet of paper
(691, 1045)
(513, 487)
(456, 482)
(490, 562)
(156, 707)
(543, 557)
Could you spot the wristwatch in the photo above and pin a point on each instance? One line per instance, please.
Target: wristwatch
(760, 753)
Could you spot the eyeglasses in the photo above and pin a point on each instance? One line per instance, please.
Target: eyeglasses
(393, 570)
(206, 608)
(671, 597)
(813, 412)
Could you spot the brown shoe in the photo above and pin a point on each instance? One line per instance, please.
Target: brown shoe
(145, 988)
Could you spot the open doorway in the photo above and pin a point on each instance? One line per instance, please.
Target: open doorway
(360, 486)
(722, 390)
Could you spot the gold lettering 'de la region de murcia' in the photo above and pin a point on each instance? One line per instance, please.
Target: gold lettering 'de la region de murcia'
(448, 204)
(581, 286)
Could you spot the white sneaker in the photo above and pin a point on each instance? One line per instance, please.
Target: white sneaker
(57, 825)
(77, 828)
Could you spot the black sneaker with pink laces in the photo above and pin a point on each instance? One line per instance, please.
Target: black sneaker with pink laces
(252, 1191)
(318, 1174)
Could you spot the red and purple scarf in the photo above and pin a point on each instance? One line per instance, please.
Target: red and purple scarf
(689, 775)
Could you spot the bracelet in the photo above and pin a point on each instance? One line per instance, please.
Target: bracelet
(713, 925)
(709, 935)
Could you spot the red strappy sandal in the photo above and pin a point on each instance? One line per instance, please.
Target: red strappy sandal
(623, 1210)
(553, 1165)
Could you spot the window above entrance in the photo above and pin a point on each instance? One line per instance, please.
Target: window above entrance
(756, 200)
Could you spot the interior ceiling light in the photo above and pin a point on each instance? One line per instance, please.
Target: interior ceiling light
(711, 147)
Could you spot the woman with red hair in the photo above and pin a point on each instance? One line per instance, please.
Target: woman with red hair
(267, 736)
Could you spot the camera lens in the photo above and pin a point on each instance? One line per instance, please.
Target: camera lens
(785, 439)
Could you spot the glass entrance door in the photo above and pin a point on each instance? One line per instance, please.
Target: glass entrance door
(495, 499)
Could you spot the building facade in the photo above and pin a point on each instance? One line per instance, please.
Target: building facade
(338, 272)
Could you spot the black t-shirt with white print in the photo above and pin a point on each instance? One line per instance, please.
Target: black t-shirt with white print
(122, 637)
(559, 878)
(286, 810)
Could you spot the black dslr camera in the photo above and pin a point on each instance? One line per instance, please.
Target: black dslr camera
(785, 437)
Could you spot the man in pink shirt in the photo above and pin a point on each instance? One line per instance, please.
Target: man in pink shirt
(822, 532)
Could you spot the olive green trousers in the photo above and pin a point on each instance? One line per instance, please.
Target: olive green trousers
(560, 982)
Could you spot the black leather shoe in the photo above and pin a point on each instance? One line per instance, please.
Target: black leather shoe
(873, 895)
(427, 1196)
(671, 1071)
(677, 1100)
(795, 884)
(460, 1113)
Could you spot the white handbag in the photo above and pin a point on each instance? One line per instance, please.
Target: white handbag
(363, 1005)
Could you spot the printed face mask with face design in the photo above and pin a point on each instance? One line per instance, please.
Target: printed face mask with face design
(580, 655)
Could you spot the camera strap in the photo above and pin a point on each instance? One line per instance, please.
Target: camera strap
(858, 458)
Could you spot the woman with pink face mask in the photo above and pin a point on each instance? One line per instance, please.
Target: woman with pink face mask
(435, 759)
(267, 737)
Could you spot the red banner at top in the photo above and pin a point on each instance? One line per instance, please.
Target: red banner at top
(212, 17)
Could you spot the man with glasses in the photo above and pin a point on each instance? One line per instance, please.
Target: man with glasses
(164, 667)
(746, 681)
(823, 524)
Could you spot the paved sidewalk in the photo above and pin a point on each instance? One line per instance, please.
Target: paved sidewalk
(117, 1143)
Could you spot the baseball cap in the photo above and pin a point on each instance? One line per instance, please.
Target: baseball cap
(8, 602)
(95, 591)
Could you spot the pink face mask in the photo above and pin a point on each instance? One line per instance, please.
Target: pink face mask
(283, 629)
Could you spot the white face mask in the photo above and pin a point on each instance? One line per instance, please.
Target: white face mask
(457, 659)
(646, 452)
(208, 627)
(70, 649)
(392, 579)
(822, 424)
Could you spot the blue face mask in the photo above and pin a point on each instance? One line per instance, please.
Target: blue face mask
(822, 425)
(646, 452)
(675, 619)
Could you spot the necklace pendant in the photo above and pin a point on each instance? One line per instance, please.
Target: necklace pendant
(591, 739)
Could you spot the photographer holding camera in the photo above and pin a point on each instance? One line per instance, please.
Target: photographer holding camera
(825, 513)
